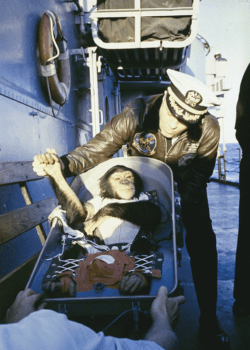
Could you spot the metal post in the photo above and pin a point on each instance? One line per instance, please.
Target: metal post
(223, 138)
(117, 99)
(219, 164)
(94, 65)
(216, 72)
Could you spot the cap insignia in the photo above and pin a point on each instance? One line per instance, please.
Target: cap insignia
(181, 112)
(193, 98)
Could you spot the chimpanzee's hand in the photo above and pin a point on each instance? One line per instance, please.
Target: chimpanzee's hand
(96, 221)
(90, 226)
(53, 170)
(131, 284)
(26, 302)
(56, 288)
(44, 159)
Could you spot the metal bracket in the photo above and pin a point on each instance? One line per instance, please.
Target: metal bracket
(101, 116)
(179, 257)
(125, 150)
(94, 63)
(81, 52)
(136, 308)
(62, 309)
(99, 64)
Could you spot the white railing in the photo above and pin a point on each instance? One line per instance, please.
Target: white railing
(137, 13)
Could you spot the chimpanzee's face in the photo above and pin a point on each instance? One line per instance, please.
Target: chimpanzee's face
(123, 184)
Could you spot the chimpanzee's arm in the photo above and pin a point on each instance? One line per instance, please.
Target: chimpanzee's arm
(143, 213)
(75, 211)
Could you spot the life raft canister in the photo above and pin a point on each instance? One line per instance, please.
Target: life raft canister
(50, 36)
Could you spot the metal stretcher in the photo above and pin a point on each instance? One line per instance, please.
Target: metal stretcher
(156, 176)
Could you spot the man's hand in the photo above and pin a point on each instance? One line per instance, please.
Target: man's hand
(54, 170)
(26, 302)
(44, 159)
(164, 307)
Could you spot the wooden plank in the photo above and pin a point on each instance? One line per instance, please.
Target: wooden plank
(26, 193)
(28, 200)
(14, 282)
(21, 220)
(14, 172)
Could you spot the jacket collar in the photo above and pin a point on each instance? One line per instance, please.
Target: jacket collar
(151, 113)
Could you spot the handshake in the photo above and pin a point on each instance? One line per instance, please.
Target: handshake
(46, 164)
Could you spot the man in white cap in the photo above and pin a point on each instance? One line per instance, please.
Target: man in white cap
(175, 128)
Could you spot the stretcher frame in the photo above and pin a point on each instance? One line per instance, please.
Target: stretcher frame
(111, 302)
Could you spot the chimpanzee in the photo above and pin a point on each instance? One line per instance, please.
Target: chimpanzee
(120, 198)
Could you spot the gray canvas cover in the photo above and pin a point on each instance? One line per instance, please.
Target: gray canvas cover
(118, 30)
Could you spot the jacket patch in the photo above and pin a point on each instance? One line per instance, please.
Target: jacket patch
(145, 143)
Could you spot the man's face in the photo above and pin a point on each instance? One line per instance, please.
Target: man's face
(174, 126)
(170, 126)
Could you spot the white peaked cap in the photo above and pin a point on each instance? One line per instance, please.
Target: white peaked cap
(184, 83)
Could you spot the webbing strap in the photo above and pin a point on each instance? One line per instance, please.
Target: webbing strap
(48, 70)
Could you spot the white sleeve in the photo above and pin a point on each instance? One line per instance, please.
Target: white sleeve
(47, 329)
(96, 202)
(143, 197)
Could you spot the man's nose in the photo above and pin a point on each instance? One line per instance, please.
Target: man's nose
(174, 123)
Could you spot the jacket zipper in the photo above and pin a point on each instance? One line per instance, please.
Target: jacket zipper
(179, 139)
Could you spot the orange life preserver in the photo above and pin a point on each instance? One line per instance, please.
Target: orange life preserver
(58, 79)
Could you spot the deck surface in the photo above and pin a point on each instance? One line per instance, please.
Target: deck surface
(224, 203)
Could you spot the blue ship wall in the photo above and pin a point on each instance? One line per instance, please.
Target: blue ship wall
(27, 126)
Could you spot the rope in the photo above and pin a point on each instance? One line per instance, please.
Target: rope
(50, 59)
(142, 263)
(168, 214)
(63, 242)
(53, 39)
(50, 100)
(70, 265)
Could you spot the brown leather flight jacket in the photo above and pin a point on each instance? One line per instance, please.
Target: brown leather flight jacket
(192, 156)
(242, 124)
